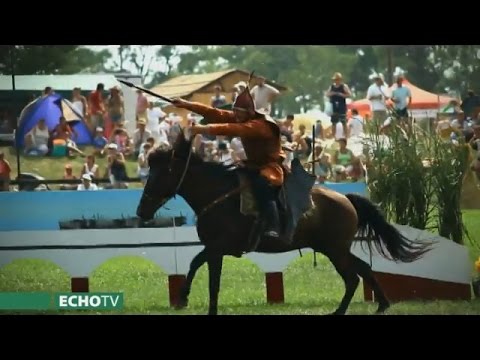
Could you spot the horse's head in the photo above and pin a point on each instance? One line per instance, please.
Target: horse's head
(168, 169)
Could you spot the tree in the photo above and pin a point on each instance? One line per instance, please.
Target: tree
(48, 59)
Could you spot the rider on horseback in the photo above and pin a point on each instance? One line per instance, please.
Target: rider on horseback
(260, 136)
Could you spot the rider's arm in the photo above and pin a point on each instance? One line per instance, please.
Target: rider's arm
(250, 129)
(212, 115)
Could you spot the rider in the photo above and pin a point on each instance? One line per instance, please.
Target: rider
(260, 136)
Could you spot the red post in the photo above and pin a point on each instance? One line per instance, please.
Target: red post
(274, 282)
(175, 283)
(79, 284)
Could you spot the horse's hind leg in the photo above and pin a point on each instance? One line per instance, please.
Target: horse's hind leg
(345, 267)
(365, 271)
(196, 263)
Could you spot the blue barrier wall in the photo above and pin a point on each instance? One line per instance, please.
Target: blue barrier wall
(44, 209)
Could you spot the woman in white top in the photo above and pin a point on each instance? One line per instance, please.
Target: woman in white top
(91, 168)
(36, 141)
(79, 102)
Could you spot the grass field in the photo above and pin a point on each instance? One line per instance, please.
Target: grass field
(308, 290)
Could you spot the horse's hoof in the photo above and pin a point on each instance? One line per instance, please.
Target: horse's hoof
(336, 312)
(382, 308)
(182, 304)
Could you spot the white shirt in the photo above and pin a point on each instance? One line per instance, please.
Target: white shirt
(375, 90)
(339, 133)
(356, 125)
(261, 96)
(92, 187)
(153, 116)
(237, 147)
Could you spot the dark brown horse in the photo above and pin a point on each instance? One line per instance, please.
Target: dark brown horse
(329, 228)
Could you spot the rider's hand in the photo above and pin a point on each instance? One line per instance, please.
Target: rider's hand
(180, 103)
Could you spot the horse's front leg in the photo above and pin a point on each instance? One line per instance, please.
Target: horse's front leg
(196, 263)
(214, 274)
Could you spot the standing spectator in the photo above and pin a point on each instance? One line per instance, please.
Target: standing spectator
(356, 124)
(37, 139)
(378, 94)
(238, 150)
(140, 135)
(142, 106)
(154, 116)
(115, 105)
(218, 99)
(5, 171)
(471, 105)
(96, 107)
(86, 184)
(338, 94)
(238, 88)
(79, 102)
(263, 95)
(402, 98)
(121, 138)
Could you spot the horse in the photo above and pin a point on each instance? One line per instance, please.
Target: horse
(329, 227)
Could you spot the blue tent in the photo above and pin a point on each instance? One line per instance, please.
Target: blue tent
(50, 108)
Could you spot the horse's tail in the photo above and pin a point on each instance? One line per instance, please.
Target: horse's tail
(373, 227)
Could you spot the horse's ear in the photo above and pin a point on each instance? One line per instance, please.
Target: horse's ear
(182, 144)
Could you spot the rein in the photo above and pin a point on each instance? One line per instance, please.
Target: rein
(182, 178)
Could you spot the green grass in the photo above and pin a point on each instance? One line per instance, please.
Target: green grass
(53, 168)
(308, 290)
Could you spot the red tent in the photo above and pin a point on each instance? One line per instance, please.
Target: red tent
(421, 100)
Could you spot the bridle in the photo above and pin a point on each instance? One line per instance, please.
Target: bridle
(149, 198)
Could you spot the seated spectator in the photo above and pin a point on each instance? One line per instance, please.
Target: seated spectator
(475, 144)
(116, 169)
(224, 154)
(37, 139)
(356, 124)
(91, 168)
(63, 131)
(140, 136)
(356, 171)
(121, 139)
(343, 156)
(319, 133)
(68, 175)
(340, 173)
(5, 171)
(323, 169)
(99, 142)
(86, 184)
(238, 152)
(143, 168)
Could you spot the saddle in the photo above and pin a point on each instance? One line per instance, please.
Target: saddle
(293, 201)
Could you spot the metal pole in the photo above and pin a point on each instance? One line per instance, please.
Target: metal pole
(17, 146)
